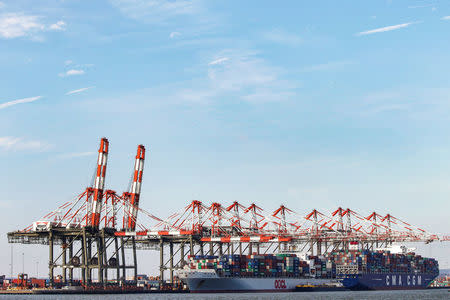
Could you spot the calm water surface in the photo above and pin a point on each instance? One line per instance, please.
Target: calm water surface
(421, 294)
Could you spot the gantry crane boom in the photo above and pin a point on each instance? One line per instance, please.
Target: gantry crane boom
(135, 191)
(94, 212)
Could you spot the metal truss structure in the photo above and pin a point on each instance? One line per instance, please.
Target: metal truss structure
(98, 226)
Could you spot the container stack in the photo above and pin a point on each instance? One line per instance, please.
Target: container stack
(383, 261)
(255, 265)
(289, 265)
(203, 262)
(321, 267)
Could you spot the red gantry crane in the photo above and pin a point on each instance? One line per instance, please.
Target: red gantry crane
(97, 209)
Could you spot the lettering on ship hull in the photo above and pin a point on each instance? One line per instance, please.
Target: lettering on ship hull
(410, 280)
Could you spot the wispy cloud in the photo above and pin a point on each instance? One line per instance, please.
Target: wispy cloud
(71, 72)
(14, 25)
(219, 61)
(58, 26)
(267, 95)
(421, 6)
(2, 4)
(330, 66)
(242, 70)
(193, 17)
(385, 29)
(74, 72)
(174, 34)
(79, 90)
(75, 155)
(245, 77)
(68, 62)
(389, 107)
(235, 75)
(15, 143)
(249, 77)
(19, 101)
(445, 18)
(282, 37)
(196, 95)
(156, 11)
(409, 102)
(375, 98)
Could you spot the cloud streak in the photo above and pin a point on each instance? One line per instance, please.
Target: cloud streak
(282, 37)
(58, 26)
(219, 61)
(19, 101)
(389, 108)
(421, 6)
(15, 25)
(174, 34)
(236, 75)
(445, 18)
(15, 143)
(75, 155)
(330, 66)
(385, 29)
(267, 95)
(72, 72)
(79, 90)
(156, 11)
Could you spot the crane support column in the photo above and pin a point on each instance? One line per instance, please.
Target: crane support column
(124, 270)
(100, 260)
(134, 258)
(70, 260)
(64, 260)
(84, 257)
(105, 257)
(88, 260)
(182, 261)
(161, 261)
(171, 261)
(116, 244)
(50, 257)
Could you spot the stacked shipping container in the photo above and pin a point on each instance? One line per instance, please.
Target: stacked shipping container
(324, 266)
(384, 261)
(321, 267)
(256, 265)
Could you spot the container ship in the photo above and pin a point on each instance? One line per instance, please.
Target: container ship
(253, 273)
(346, 269)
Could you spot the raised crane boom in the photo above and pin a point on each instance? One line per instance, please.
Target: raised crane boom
(97, 201)
(135, 191)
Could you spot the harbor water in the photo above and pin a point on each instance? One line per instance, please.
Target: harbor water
(410, 294)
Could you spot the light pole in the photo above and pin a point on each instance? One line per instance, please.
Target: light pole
(37, 269)
(23, 263)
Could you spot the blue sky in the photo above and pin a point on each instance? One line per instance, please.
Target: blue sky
(313, 104)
